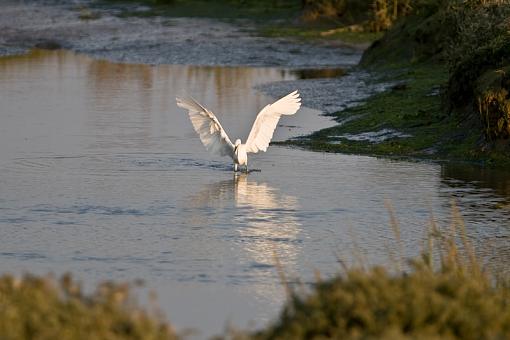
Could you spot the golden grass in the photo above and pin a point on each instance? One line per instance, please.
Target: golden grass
(443, 294)
(43, 308)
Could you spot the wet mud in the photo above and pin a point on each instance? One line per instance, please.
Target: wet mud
(156, 40)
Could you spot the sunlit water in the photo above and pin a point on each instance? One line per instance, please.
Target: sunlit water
(102, 175)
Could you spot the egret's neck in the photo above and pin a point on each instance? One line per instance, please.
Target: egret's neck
(239, 148)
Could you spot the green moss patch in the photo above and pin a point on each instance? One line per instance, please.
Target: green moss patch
(349, 35)
(414, 114)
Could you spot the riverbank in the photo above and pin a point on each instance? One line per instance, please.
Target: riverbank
(449, 98)
(406, 120)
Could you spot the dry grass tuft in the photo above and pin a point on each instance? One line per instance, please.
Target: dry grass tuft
(44, 308)
(458, 300)
(443, 294)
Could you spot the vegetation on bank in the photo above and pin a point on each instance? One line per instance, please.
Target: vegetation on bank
(456, 301)
(446, 293)
(44, 308)
(449, 60)
(350, 21)
(347, 35)
(410, 109)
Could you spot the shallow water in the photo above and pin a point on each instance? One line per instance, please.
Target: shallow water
(102, 175)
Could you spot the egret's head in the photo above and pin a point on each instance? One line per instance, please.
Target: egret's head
(238, 142)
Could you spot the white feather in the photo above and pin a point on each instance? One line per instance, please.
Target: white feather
(263, 128)
(205, 123)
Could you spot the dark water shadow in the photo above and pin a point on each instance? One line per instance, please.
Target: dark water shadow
(319, 73)
(265, 219)
(457, 175)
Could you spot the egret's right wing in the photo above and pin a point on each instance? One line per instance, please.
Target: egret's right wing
(267, 119)
(208, 127)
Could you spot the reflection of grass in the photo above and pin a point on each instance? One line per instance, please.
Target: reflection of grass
(42, 308)
(447, 296)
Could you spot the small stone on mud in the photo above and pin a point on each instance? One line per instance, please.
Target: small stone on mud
(399, 87)
(48, 45)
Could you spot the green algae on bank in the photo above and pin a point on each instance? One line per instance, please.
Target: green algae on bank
(449, 60)
(355, 37)
(410, 118)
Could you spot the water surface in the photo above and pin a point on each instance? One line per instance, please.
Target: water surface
(102, 175)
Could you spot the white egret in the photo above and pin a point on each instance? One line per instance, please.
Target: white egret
(216, 140)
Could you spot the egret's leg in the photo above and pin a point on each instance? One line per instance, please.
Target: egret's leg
(235, 167)
(246, 167)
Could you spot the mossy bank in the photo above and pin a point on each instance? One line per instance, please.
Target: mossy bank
(448, 64)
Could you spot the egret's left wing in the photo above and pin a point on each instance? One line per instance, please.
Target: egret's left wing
(208, 127)
(263, 128)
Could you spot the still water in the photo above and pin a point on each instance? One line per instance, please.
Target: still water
(103, 176)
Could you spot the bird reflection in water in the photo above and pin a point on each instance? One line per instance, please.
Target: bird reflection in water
(255, 221)
(263, 217)
(267, 222)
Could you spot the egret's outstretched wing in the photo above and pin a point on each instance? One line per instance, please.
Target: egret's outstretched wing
(267, 119)
(208, 127)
